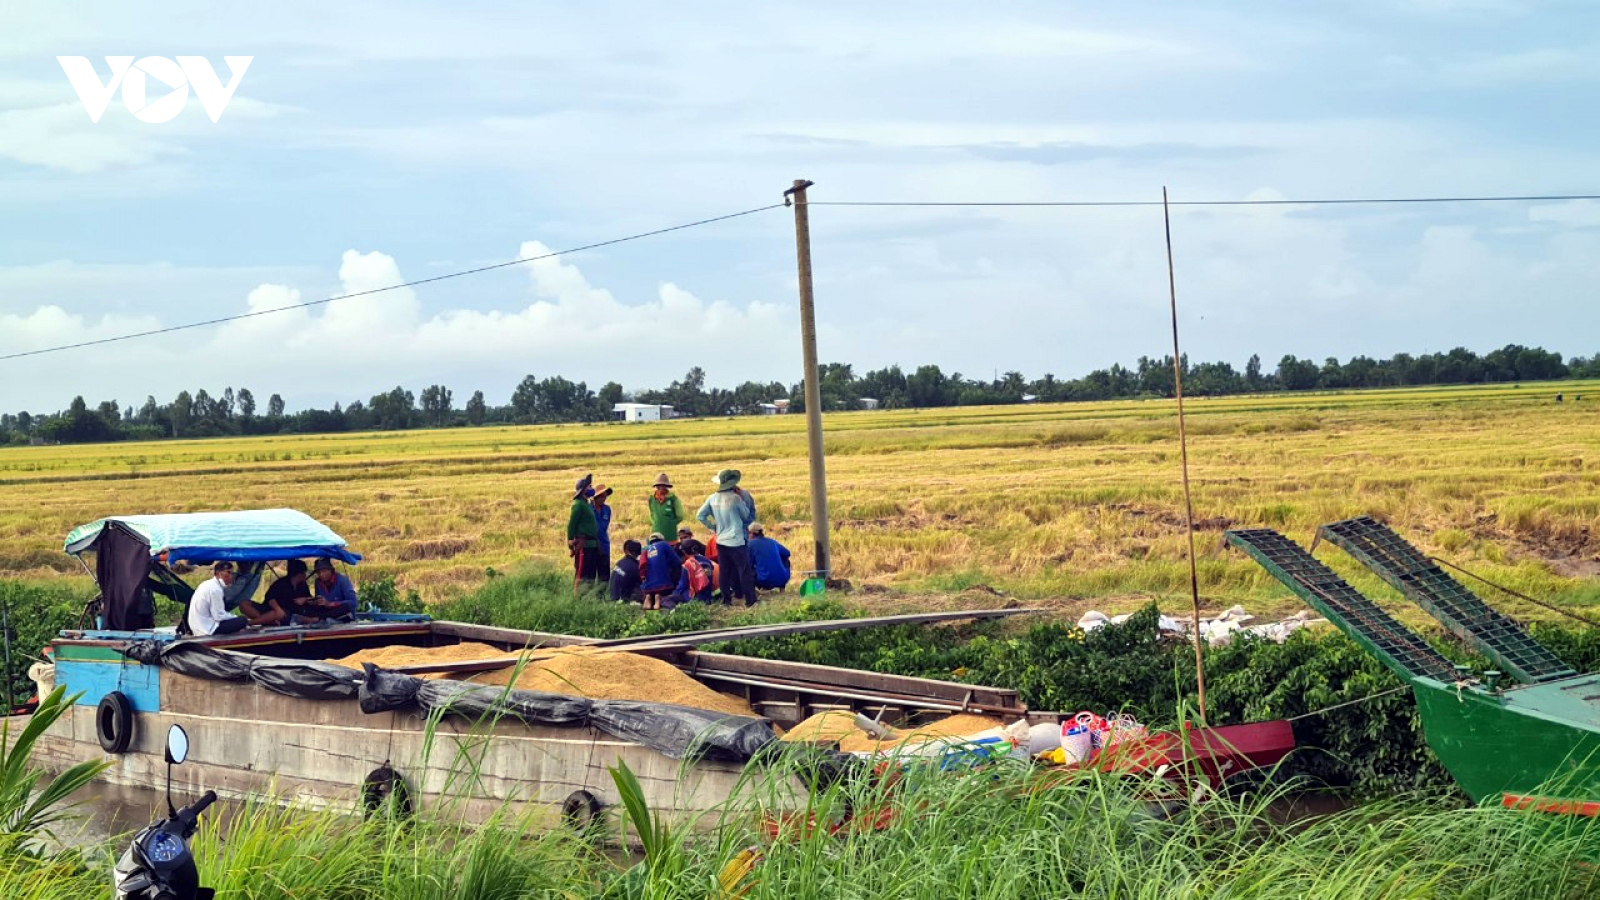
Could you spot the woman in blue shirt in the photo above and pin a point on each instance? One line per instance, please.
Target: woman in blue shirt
(602, 520)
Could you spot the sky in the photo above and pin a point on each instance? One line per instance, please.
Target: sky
(368, 144)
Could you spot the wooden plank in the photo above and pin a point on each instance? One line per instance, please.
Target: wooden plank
(968, 701)
(848, 678)
(785, 629)
(887, 700)
(298, 635)
(513, 636)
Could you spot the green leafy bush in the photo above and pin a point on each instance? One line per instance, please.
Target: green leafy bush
(36, 613)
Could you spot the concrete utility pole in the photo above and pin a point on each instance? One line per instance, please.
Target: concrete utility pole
(808, 346)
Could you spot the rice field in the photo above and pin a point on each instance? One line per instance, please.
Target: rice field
(1077, 503)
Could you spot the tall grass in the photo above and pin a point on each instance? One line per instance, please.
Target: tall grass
(1002, 831)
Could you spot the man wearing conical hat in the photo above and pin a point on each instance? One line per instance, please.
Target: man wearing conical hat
(583, 536)
(729, 513)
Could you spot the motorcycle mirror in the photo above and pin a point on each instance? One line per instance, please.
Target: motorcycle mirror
(177, 744)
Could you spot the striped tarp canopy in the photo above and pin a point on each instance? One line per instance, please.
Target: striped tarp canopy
(255, 535)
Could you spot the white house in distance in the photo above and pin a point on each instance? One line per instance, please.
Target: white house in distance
(868, 402)
(640, 412)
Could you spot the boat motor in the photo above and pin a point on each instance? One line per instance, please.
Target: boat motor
(158, 864)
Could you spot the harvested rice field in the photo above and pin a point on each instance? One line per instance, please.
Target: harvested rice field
(1078, 502)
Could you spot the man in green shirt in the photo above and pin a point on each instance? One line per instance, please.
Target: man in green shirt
(665, 510)
(583, 536)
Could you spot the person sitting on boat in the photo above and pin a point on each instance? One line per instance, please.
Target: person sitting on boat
(625, 579)
(658, 571)
(208, 611)
(698, 581)
(246, 578)
(335, 598)
(770, 560)
(286, 597)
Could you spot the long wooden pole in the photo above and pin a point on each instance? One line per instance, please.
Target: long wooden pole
(1183, 450)
(813, 390)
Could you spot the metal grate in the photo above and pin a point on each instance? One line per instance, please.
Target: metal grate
(1395, 645)
(1386, 553)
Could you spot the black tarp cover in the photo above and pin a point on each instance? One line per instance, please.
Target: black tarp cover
(676, 731)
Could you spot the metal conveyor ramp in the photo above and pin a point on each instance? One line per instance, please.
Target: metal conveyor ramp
(1397, 562)
(1394, 644)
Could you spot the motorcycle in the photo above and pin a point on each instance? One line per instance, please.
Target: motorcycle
(157, 864)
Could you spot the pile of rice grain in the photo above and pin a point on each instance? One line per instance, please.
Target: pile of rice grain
(957, 726)
(615, 675)
(825, 727)
(400, 655)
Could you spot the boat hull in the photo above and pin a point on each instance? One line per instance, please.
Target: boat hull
(248, 741)
(1526, 747)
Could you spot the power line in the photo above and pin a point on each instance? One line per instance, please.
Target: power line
(1523, 198)
(393, 287)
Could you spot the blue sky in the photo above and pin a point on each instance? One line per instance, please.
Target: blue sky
(370, 143)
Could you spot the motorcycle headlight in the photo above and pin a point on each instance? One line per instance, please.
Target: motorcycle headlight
(162, 847)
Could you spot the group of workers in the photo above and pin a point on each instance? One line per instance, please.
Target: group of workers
(293, 599)
(737, 561)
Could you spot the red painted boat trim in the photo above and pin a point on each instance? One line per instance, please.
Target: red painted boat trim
(1590, 809)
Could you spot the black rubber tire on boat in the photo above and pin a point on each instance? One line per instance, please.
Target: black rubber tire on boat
(581, 810)
(113, 722)
(385, 790)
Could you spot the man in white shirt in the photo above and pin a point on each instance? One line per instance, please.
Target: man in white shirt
(208, 609)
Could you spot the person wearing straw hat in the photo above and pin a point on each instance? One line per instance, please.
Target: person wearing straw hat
(729, 513)
(666, 511)
(602, 522)
(583, 536)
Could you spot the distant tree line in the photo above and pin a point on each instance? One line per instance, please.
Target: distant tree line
(556, 399)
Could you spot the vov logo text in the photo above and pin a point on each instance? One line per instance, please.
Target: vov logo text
(134, 79)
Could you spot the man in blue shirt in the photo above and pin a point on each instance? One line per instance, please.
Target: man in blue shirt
(336, 596)
(770, 560)
(729, 512)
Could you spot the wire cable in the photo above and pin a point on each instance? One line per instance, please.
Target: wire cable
(393, 287)
(1522, 198)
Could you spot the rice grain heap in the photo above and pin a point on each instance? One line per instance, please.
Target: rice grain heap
(825, 727)
(397, 655)
(957, 726)
(614, 675)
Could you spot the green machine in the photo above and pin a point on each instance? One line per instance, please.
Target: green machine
(1527, 734)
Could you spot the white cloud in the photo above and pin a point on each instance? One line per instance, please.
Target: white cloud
(1572, 213)
(62, 137)
(352, 348)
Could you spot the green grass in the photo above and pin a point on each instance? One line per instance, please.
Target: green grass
(998, 833)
